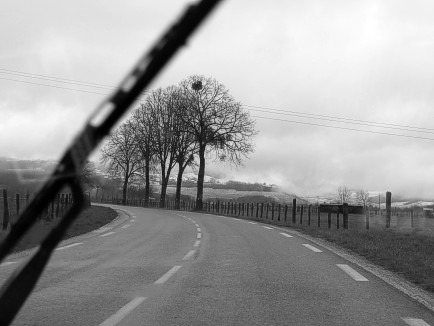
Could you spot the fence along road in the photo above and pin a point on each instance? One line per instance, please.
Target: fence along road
(160, 270)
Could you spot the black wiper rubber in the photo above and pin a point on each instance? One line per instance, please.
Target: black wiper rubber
(17, 288)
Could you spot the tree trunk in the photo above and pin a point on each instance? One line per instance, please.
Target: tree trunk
(147, 185)
(179, 184)
(124, 191)
(164, 183)
(200, 179)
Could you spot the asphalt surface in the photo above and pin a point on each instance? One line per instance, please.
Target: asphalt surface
(156, 267)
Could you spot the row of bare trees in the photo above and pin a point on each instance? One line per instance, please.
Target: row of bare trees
(176, 127)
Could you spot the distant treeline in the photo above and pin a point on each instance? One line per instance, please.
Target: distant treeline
(235, 185)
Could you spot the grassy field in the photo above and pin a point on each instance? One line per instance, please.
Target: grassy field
(408, 254)
(89, 220)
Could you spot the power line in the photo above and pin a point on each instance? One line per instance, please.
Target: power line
(46, 85)
(250, 107)
(347, 122)
(345, 128)
(55, 79)
(320, 116)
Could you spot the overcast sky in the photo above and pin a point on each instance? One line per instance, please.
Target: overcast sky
(317, 61)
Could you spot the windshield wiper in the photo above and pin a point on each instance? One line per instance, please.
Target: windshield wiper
(17, 288)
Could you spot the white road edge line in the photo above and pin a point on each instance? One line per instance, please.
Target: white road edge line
(70, 245)
(286, 234)
(197, 243)
(199, 235)
(168, 275)
(104, 235)
(314, 249)
(414, 321)
(7, 263)
(189, 255)
(267, 227)
(252, 222)
(126, 226)
(351, 272)
(121, 313)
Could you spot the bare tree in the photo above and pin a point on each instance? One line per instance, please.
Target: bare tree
(142, 124)
(121, 155)
(218, 124)
(186, 147)
(344, 194)
(87, 175)
(162, 105)
(362, 197)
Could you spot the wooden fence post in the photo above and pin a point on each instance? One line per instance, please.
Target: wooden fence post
(266, 212)
(388, 208)
(257, 210)
(17, 198)
(309, 212)
(412, 218)
(367, 219)
(329, 220)
(272, 211)
(262, 209)
(52, 207)
(337, 220)
(278, 216)
(345, 217)
(294, 210)
(319, 217)
(301, 214)
(286, 212)
(5, 210)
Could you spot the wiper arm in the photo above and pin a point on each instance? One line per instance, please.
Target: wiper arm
(16, 289)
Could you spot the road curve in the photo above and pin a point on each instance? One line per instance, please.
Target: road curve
(162, 267)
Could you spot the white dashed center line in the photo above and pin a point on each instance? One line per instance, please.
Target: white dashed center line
(104, 235)
(198, 230)
(126, 226)
(168, 275)
(414, 321)
(121, 313)
(189, 255)
(199, 235)
(314, 249)
(286, 235)
(197, 243)
(267, 227)
(70, 246)
(355, 275)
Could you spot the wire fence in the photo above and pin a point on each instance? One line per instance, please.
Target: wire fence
(310, 215)
(12, 205)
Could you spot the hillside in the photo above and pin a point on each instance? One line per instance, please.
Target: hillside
(231, 194)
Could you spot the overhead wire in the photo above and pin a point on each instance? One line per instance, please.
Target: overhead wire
(259, 109)
(344, 128)
(334, 118)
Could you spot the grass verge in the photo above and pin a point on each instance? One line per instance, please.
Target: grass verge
(407, 254)
(89, 220)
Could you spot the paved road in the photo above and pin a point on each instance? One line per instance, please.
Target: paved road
(177, 268)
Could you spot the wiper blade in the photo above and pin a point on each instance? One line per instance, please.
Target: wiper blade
(16, 289)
